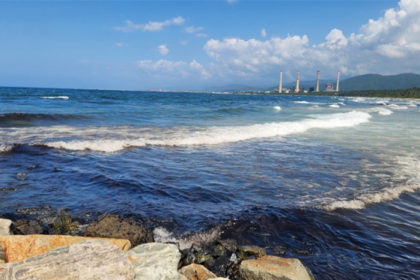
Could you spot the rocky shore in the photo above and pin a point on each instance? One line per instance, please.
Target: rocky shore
(121, 247)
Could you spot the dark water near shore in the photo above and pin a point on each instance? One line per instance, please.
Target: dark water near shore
(332, 180)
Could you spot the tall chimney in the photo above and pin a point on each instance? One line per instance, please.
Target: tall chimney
(297, 82)
(281, 82)
(338, 81)
(317, 82)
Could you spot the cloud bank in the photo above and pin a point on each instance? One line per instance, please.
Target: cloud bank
(387, 45)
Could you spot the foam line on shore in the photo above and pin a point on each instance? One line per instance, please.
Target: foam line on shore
(407, 168)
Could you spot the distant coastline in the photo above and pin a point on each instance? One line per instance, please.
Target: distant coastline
(413, 93)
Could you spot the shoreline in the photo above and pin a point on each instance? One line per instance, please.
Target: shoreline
(215, 257)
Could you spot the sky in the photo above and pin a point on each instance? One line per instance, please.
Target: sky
(198, 44)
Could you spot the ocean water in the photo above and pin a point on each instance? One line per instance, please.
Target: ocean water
(332, 181)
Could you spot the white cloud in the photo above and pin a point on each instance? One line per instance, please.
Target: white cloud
(151, 26)
(164, 65)
(195, 65)
(121, 45)
(196, 31)
(162, 49)
(388, 45)
(182, 69)
(263, 33)
(184, 42)
(193, 29)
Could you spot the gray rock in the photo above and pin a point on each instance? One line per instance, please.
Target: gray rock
(5, 227)
(90, 260)
(246, 252)
(273, 268)
(155, 261)
(118, 226)
(27, 227)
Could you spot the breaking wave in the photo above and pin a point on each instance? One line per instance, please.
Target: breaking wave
(124, 138)
(407, 168)
(55, 97)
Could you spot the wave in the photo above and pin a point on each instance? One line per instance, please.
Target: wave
(6, 148)
(381, 111)
(302, 102)
(387, 194)
(406, 167)
(185, 241)
(397, 107)
(123, 138)
(277, 108)
(55, 97)
(335, 106)
(11, 118)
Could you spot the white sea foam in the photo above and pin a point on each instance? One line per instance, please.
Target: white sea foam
(277, 108)
(334, 106)
(55, 97)
(408, 168)
(185, 241)
(380, 111)
(302, 102)
(397, 107)
(387, 194)
(5, 148)
(118, 139)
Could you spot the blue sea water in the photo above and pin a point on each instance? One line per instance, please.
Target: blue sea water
(334, 181)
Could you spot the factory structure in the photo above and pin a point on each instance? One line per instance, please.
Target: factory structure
(329, 87)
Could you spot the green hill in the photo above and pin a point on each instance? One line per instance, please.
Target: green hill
(379, 82)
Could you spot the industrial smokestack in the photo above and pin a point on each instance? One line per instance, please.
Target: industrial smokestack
(317, 82)
(297, 82)
(281, 82)
(338, 81)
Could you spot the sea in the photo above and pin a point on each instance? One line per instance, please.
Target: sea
(333, 181)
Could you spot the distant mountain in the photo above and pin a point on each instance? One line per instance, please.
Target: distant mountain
(233, 88)
(379, 82)
(362, 82)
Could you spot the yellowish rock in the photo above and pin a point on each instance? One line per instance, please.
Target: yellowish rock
(197, 272)
(20, 247)
(273, 268)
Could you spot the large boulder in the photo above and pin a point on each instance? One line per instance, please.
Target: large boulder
(19, 247)
(273, 268)
(5, 227)
(88, 260)
(155, 261)
(118, 226)
(197, 272)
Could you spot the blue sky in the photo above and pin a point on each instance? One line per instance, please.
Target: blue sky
(197, 44)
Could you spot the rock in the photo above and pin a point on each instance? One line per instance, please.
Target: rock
(245, 252)
(229, 244)
(93, 259)
(155, 261)
(273, 268)
(118, 226)
(26, 227)
(197, 272)
(5, 227)
(198, 255)
(19, 247)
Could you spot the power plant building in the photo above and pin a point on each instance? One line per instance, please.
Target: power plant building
(329, 87)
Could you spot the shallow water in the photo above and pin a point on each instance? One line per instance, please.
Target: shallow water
(333, 180)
